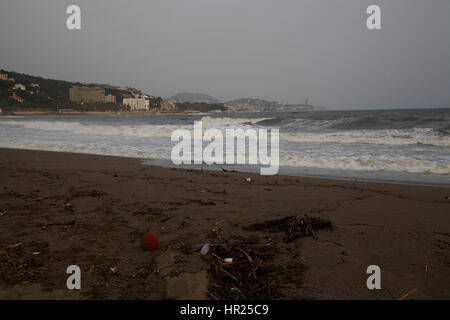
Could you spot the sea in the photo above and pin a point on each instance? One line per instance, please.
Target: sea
(409, 146)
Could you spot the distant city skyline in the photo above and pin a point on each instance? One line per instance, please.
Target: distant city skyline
(283, 50)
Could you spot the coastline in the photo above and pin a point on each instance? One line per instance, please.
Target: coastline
(41, 113)
(402, 228)
(370, 176)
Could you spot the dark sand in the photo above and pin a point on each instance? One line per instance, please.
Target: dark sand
(403, 229)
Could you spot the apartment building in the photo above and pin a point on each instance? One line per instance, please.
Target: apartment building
(136, 104)
(86, 94)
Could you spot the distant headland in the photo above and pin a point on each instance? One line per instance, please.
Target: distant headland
(26, 94)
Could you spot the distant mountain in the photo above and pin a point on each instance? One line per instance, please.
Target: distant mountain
(193, 97)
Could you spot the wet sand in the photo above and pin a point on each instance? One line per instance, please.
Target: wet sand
(113, 201)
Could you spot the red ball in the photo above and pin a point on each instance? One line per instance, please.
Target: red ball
(150, 241)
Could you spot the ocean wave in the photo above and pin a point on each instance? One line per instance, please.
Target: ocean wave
(345, 163)
(368, 163)
(78, 127)
(333, 122)
(90, 148)
(96, 129)
(425, 136)
(386, 121)
(213, 122)
(141, 130)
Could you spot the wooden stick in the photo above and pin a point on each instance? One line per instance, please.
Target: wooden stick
(213, 296)
(250, 260)
(214, 255)
(408, 294)
(223, 270)
(240, 292)
(10, 246)
(228, 274)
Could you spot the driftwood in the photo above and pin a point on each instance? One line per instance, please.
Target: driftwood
(10, 246)
(408, 294)
(249, 269)
(252, 274)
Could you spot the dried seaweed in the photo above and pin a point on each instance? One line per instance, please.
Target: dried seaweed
(294, 227)
(252, 275)
(250, 270)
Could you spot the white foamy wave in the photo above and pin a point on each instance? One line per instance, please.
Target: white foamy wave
(211, 122)
(154, 152)
(130, 130)
(390, 137)
(368, 163)
(96, 129)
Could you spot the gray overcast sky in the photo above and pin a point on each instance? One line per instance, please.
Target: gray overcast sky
(283, 50)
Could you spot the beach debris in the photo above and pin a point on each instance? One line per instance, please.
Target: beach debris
(62, 223)
(227, 170)
(200, 201)
(92, 193)
(114, 270)
(338, 244)
(408, 294)
(68, 206)
(18, 264)
(294, 227)
(207, 202)
(150, 241)
(205, 249)
(251, 273)
(3, 213)
(249, 180)
(10, 246)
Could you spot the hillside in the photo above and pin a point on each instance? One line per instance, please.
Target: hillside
(193, 97)
(48, 92)
(23, 91)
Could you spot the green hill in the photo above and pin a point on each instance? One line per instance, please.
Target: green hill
(49, 94)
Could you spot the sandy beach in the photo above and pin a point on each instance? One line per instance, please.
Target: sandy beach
(92, 211)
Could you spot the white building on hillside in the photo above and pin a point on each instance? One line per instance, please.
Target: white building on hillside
(136, 103)
(19, 86)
